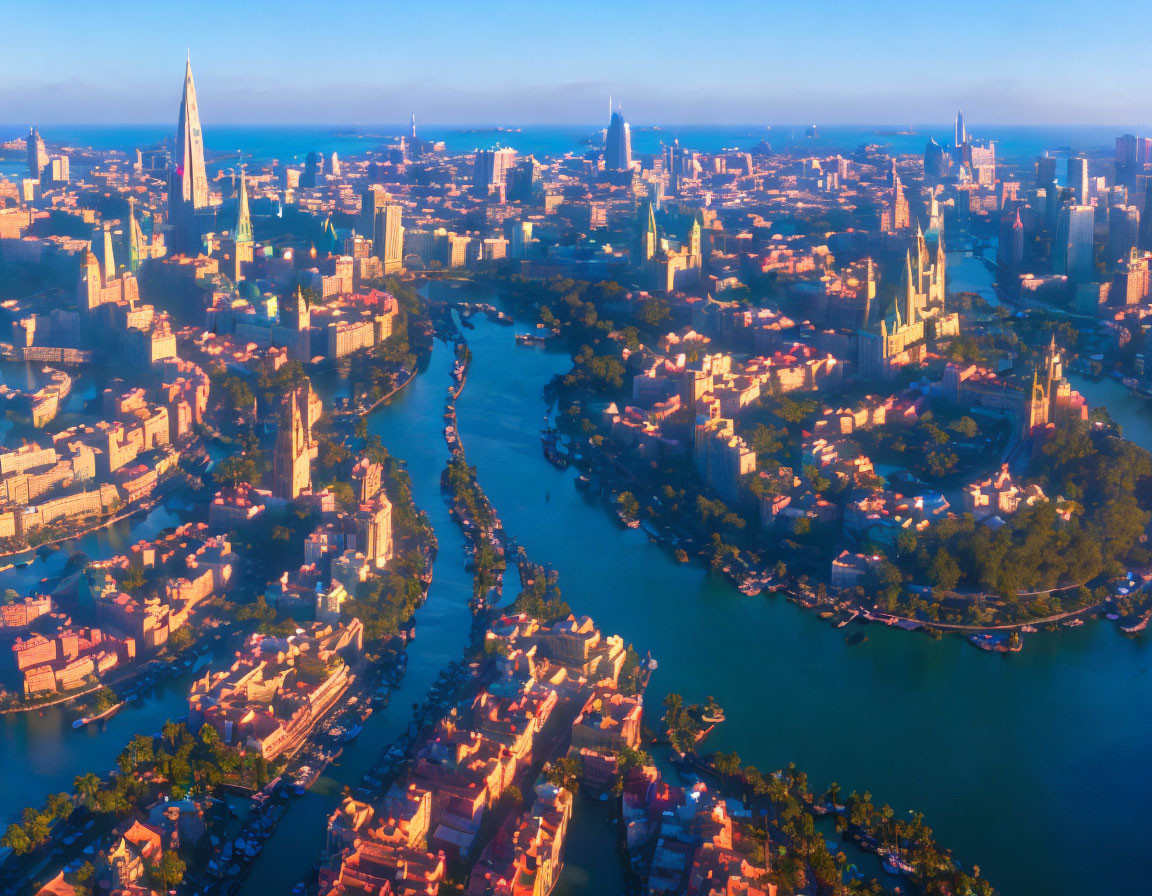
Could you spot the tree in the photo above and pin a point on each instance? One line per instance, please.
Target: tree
(87, 786)
(169, 871)
(944, 572)
(16, 840)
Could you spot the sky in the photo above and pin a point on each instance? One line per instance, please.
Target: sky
(517, 63)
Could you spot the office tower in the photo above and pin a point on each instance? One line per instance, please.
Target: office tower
(1011, 244)
(313, 168)
(37, 155)
(1074, 250)
(388, 238)
(334, 165)
(1126, 154)
(961, 135)
(618, 144)
(187, 178)
(372, 202)
(1123, 232)
(1078, 179)
(491, 166)
(1045, 171)
(292, 461)
(519, 236)
(934, 161)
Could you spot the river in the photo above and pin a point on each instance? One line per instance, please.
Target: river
(1033, 766)
(411, 428)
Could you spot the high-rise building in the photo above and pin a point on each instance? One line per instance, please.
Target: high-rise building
(388, 238)
(934, 161)
(618, 144)
(1074, 250)
(1045, 171)
(313, 169)
(491, 166)
(1123, 233)
(1078, 179)
(187, 178)
(1126, 154)
(961, 135)
(37, 155)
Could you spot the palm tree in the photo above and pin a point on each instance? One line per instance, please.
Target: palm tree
(171, 732)
(833, 792)
(86, 787)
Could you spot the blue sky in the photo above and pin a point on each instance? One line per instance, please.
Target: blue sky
(496, 61)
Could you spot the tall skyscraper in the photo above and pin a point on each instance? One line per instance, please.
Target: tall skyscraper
(1074, 251)
(1045, 171)
(618, 144)
(37, 154)
(388, 238)
(1078, 179)
(187, 178)
(1126, 153)
(961, 135)
(1123, 233)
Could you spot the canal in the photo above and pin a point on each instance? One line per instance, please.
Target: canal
(411, 428)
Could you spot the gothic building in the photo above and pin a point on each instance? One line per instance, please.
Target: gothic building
(292, 460)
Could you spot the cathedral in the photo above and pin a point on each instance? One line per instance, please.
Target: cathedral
(292, 460)
(918, 317)
(667, 267)
(1051, 399)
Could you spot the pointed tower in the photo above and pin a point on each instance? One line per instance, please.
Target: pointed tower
(694, 237)
(188, 178)
(107, 256)
(133, 238)
(650, 240)
(909, 291)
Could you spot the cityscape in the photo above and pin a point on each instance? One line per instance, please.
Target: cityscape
(526, 509)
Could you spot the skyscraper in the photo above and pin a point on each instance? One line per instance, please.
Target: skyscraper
(1078, 179)
(491, 166)
(388, 238)
(1126, 153)
(187, 178)
(1074, 252)
(961, 134)
(37, 154)
(1045, 171)
(618, 144)
(133, 238)
(1123, 232)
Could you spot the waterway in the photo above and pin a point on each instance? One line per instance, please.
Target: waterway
(411, 428)
(1033, 766)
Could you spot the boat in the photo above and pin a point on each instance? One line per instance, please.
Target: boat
(87, 720)
(582, 481)
(352, 733)
(893, 864)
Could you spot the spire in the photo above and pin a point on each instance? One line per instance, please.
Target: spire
(133, 237)
(243, 231)
(188, 179)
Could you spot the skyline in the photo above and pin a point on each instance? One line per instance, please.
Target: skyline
(278, 63)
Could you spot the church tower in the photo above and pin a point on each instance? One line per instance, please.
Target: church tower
(292, 461)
